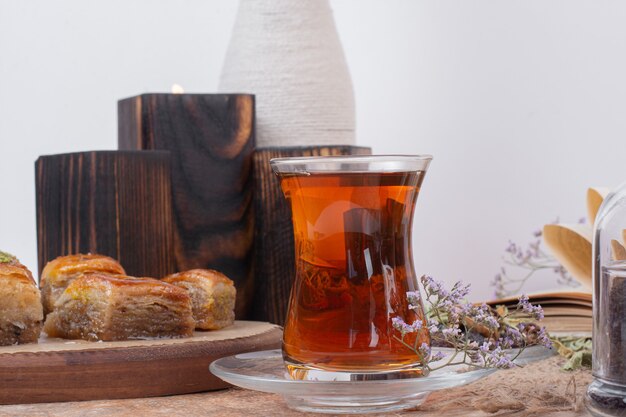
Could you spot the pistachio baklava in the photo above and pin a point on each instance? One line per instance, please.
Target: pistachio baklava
(212, 294)
(60, 272)
(21, 313)
(104, 307)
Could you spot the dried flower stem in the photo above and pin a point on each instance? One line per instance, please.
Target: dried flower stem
(531, 259)
(480, 333)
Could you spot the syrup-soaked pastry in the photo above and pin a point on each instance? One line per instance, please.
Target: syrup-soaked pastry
(60, 272)
(212, 294)
(106, 307)
(21, 313)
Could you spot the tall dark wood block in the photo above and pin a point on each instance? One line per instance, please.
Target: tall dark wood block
(211, 139)
(107, 202)
(274, 244)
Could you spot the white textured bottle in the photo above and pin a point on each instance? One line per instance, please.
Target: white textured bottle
(288, 53)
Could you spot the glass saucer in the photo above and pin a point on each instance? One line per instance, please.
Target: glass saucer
(265, 371)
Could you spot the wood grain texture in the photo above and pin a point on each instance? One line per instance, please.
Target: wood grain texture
(58, 370)
(211, 140)
(274, 251)
(107, 202)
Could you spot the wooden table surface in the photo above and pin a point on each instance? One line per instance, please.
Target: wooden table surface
(537, 389)
(227, 403)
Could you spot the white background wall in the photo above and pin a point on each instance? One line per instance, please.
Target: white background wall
(523, 104)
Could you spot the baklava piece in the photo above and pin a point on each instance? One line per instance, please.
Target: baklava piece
(60, 272)
(21, 313)
(212, 295)
(105, 307)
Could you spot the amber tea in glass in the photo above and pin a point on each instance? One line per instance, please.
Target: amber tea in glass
(352, 220)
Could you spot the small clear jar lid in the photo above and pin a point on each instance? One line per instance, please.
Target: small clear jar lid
(351, 163)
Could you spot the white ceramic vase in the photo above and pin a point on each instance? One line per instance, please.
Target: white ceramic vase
(288, 53)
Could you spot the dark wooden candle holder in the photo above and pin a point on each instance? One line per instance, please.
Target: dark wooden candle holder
(107, 202)
(211, 140)
(274, 244)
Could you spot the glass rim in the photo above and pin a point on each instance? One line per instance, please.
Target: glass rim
(305, 165)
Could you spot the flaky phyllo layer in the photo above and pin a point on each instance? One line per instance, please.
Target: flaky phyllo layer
(21, 314)
(212, 294)
(105, 307)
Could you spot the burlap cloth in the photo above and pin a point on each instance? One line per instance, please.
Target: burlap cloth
(534, 390)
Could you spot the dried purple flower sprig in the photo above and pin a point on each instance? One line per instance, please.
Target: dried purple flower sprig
(530, 260)
(478, 334)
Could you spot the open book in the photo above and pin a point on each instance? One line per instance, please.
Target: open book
(570, 310)
(565, 311)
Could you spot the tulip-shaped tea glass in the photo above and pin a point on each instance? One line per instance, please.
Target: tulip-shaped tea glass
(352, 220)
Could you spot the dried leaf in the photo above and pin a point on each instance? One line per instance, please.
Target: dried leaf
(578, 360)
(576, 349)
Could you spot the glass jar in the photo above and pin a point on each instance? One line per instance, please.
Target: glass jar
(606, 395)
(352, 220)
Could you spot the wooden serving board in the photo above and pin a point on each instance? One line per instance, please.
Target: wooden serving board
(62, 370)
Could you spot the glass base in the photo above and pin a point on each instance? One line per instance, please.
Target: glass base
(335, 404)
(354, 405)
(606, 399)
(301, 372)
